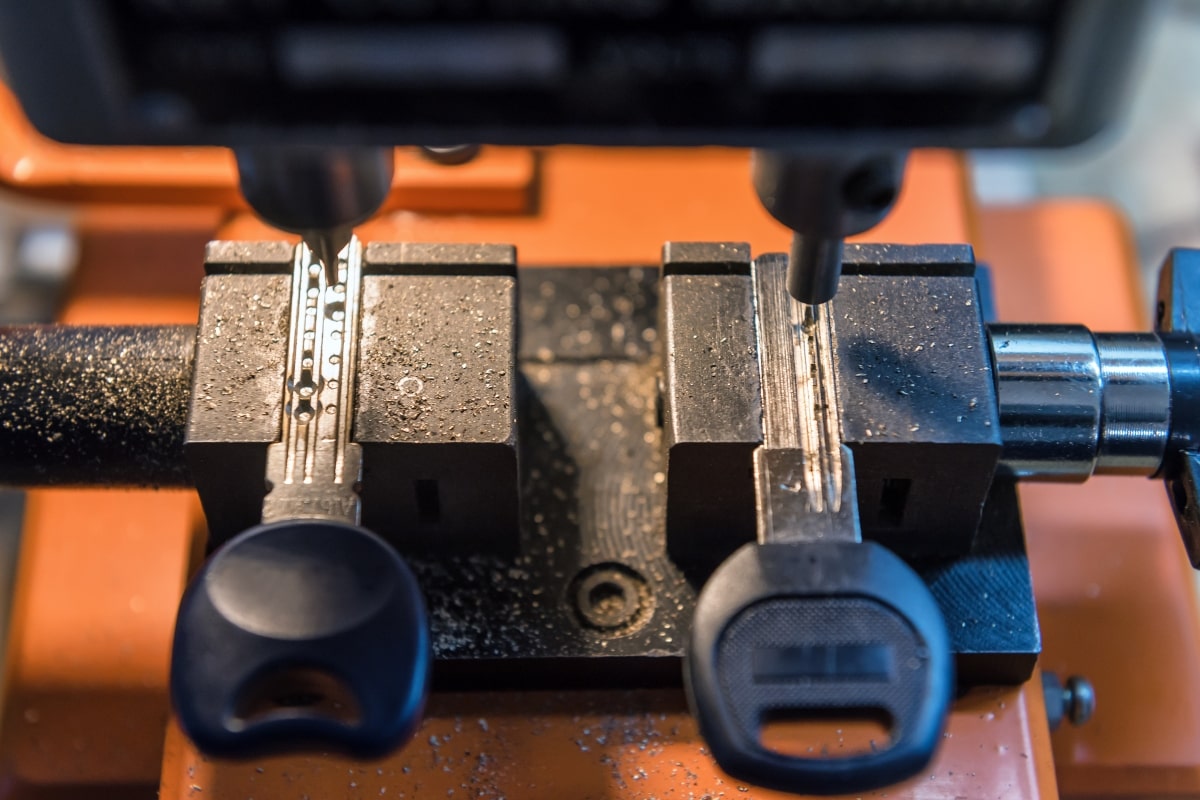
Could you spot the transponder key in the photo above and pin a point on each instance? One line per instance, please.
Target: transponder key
(811, 623)
(307, 633)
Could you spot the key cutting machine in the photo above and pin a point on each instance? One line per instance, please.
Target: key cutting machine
(740, 513)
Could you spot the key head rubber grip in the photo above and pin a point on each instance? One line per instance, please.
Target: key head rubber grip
(823, 630)
(306, 635)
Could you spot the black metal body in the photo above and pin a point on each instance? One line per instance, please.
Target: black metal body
(1177, 320)
(918, 402)
(633, 72)
(584, 590)
(237, 388)
(919, 407)
(711, 399)
(436, 407)
(435, 410)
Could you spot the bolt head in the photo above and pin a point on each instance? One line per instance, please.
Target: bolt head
(1080, 699)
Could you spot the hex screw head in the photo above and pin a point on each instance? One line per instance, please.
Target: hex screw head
(611, 598)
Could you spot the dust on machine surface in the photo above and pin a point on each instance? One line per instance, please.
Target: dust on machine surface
(781, 484)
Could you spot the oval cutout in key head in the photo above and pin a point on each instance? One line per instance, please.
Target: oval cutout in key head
(818, 630)
(301, 635)
(835, 732)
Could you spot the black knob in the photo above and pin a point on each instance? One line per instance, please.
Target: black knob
(824, 630)
(301, 635)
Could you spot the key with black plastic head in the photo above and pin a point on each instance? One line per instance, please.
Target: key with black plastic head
(308, 632)
(811, 622)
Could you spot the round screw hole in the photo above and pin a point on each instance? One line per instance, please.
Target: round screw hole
(611, 598)
(607, 599)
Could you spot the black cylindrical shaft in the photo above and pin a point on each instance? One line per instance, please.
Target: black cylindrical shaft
(814, 268)
(301, 188)
(94, 405)
(824, 196)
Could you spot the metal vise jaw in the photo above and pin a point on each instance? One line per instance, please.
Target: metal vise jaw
(435, 390)
(919, 407)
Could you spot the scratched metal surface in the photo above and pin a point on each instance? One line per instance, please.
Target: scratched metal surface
(593, 498)
(592, 538)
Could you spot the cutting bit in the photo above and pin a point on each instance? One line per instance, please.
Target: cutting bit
(804, 474)
(320, 192)
(326, 244)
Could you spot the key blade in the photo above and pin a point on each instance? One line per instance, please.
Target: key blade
(804, 476)
(314, 467)
(788, 510)
(820, 412)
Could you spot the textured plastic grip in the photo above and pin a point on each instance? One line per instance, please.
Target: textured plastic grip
(826, 629)
(301, 598)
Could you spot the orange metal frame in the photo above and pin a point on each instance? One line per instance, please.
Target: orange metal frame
(85, 706)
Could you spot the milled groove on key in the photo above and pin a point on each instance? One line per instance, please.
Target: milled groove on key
(315, 467)
(820, 414)
(777, 359)
(804, 475)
